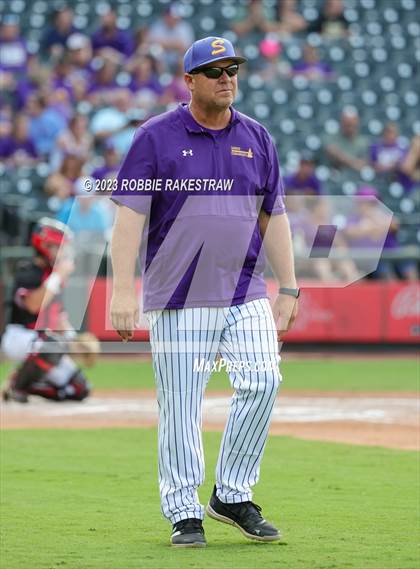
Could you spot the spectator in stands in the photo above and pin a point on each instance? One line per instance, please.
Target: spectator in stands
(45, 124)
(117, 122)
(307, 214)
(172, 33)
(61, 75)
(79, 50)
(57, 34)
(145, 83)
(75, 140)
(6, 121)
(60, 100)
(75, 82)
(272, 65)
(332, 22)
(110, 36)
(289, 21)
(256, 20)
(176, 91)
(35, 78)
(387, 153)
(311, 66)
(103, 84)
(141, 45)
(369, 228)
(409, 168)
(88, 216)
(13, 50)
(348, 149)
(18, 148)
(304, 181)
(111, 163)
(326, 269)
(62, 183)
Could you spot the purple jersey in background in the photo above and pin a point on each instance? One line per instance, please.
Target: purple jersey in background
(387, 154)
(120, 40)
(310, 186)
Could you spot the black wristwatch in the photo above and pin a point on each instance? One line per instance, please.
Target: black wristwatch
(290, 291)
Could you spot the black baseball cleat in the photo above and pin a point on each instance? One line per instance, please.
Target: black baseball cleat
(246, 516)
(188, 533)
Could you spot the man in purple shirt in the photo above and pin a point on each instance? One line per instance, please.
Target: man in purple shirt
(304, 180)
(213, 192)
(61, 28)
(311, 66)
(111, 163)
(387, 155)
(18, 149)
(13, 50)
(109, 35)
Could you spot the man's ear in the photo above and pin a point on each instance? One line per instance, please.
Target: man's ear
(189, 81)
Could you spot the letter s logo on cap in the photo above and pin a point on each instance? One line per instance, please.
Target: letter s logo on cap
(218, 44)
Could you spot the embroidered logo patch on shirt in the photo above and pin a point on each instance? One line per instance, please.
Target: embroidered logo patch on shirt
(236, 151)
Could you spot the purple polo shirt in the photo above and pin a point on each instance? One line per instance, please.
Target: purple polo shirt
(203, 239)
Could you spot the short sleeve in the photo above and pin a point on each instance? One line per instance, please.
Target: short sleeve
(134, 187)
(273, 202)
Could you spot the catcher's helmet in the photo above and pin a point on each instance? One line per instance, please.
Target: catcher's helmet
(49, 231)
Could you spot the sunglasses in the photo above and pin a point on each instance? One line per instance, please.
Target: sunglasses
(217, 72)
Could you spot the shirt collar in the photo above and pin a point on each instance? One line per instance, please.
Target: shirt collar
(192, 125)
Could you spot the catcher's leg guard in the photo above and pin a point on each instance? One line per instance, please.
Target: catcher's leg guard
(78, 387)
(47, 391)
(33, 369)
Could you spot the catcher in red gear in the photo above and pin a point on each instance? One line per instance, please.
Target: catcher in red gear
(39, 333)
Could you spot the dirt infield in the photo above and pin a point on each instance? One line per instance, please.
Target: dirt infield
(381, 419)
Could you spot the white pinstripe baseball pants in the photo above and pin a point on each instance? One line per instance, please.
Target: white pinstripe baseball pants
(245, 332)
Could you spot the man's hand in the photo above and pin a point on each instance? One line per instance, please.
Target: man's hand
(285, 309)
(125, 313)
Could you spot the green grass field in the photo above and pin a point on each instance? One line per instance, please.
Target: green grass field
(89, 500)
(321, 374)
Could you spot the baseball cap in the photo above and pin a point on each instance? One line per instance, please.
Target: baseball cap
(209, 50)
